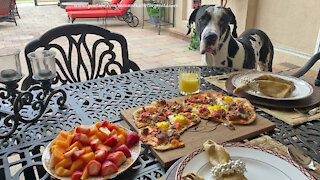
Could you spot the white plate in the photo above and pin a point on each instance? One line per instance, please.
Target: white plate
(302, 90)
(134, 150)
(260, 163)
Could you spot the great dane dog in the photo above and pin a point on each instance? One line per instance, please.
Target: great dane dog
(221, 48)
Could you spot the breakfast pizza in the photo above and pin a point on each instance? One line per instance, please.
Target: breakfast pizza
(161, 123)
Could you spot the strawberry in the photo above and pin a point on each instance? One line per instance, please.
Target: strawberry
(68, 153)
(124, 148)
(113, 126)
(132, 139)
(76, 175)
(82, 138)
(83, 129)
(105, 124)
(112, 141)
(94, 144)
(101, 155)
(76, 154)
(105, 131)
(117, 157)
(108, 168)
(93, 167)
(76, 138)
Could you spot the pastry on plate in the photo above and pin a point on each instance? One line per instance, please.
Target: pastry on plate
(224, 167)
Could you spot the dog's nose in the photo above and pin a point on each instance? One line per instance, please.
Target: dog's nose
(211, 38)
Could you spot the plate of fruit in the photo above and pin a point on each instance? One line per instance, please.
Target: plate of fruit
(100, 151)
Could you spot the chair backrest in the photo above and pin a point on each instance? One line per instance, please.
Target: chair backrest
(72, 41)
(125, 5)
(5, 6)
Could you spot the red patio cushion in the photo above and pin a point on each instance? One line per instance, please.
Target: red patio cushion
(5, 12)
(115, 12)
(112, 4)
(87, 14)
(84, 8)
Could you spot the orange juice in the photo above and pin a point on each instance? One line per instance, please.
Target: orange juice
(188, 83)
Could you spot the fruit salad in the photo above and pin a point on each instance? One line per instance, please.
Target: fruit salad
(89, 151)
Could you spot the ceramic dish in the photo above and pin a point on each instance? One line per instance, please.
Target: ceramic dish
(260, 163)
(302, 90)
(135, 151)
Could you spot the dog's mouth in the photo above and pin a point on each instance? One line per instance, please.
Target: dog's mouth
(210, 49)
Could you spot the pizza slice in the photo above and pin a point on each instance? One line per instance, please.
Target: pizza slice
(148, 115)
(161, 137)
(238, 110)
(201, 98)
(241, 111)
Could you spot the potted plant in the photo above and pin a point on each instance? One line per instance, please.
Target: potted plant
(194, 41)
(153, 9)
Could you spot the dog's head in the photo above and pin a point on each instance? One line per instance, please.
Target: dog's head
(211, 23)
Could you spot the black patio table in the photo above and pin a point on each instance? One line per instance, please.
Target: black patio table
(100, 99)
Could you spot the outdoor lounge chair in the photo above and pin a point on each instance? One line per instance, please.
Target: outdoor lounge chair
(111, 5)
(73, 47)
(7, 11)
(123, 12)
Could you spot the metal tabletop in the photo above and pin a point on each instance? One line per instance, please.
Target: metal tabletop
(100, 99)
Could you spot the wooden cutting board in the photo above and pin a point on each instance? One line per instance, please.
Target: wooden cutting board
(196, 136)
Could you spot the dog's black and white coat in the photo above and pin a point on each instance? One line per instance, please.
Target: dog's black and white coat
(251, 50)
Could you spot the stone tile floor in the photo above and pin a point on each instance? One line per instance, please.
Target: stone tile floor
(146, 47)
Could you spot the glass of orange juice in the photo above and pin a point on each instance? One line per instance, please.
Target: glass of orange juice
(189, 80)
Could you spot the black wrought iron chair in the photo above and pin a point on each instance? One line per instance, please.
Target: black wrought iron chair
(7, 11)
(307, 67)
(72, 42)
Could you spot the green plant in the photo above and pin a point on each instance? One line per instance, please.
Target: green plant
(194, 41)
(153, 9)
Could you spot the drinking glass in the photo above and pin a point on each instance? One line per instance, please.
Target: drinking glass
(189, 80)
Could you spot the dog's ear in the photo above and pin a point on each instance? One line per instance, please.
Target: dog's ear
(233, 21)
(192, 19)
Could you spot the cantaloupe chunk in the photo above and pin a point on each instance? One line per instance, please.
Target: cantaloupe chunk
(55, 158)
(62, 144)
(65, 163)
(87, 157)
(93, 130)
(76, 144)
(122, 131)
(102, 136)
(87, 149)
(113, 132)
(104, 147)
(69, 139)
(64, 134)
(77, 165)
(85, 174)
(98, 125)
(63, 172)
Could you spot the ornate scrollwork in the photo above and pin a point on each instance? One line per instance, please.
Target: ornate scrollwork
(38, 104)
